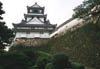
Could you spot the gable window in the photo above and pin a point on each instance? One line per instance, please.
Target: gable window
(36, 11)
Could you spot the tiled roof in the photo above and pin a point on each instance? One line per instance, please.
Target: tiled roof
(34, 30)
(34, 25)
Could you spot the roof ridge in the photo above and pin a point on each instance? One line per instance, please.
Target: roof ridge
(35, 5)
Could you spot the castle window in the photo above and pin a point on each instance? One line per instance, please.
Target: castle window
(36, 11)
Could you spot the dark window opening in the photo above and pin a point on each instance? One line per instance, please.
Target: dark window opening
(35, 11)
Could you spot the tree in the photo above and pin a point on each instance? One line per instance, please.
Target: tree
(85, 8)
(1, 11)
(89, 11)
(60, 61)
(5, 32)
(16, 60)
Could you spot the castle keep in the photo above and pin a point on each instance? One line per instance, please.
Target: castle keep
(35, 28)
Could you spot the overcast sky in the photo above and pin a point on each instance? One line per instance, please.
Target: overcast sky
(57, 11)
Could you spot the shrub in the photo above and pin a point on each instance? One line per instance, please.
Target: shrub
(44, 54)
(48, 66)
(60, 61)
(40, 63)
(77, 65)
(17, 60)
(13, 60)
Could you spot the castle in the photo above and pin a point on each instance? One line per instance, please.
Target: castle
(35, 28)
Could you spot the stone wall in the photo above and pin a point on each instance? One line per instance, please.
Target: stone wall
(30, 42)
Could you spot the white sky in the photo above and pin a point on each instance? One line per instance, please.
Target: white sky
(58, 11)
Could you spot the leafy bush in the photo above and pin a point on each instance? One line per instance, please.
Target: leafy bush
(41, 62)
(13, 60)
(17, 60)
(60, 61)
(77, 65)
(43, 59)
(29, 59)
(44, 54)
(49, 66)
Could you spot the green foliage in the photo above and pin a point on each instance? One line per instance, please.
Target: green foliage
(49, 66)
(1, 11)
(33, 60)
(13, 60)
(41, 62)
(84, 9)
(43, 59)
(89, 68)
(60, 61)
(17, 60)
(5, 33)
(44, 54)
(77, 65)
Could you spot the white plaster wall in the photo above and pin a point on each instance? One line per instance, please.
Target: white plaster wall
(20, 34)
(32, 35)
(45, 35)
(50, 28)
(36, 35)
(39, 28)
